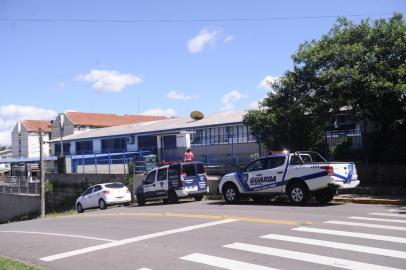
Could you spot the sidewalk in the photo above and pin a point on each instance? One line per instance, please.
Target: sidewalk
(371, 199)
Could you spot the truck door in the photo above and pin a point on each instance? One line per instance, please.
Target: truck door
(276, 166)
(161, 184)
(149, 185)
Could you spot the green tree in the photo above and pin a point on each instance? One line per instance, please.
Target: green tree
(358, 68)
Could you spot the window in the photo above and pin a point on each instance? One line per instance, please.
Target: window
(84, 147)
(66, 148)
(150, 178)
(174, 172)
(115, 185)
(189, 169)
(97, 188)
(169, 142)
(116, 145)
(162, 174)
(88, 191)
(257, 165)
(147, 143)
(295, 160)
(274, 162)
(200, 168)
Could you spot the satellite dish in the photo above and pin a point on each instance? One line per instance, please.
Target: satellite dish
(196, 115)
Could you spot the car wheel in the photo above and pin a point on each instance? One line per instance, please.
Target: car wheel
(199, 197)
(298, 193)
(79, 208)
(140, 199)
(102, 204)
(165, 200)
(173, 198)
(231, 194)
(324, 196)
(126, 204)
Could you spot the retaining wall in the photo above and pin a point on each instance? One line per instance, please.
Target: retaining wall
(13, 206)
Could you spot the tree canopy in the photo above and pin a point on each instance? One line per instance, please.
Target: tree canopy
(356, 68)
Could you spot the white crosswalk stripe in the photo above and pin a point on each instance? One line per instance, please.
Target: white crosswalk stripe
(308, 257)
(380, 219)
(397, 210)
(223, 263)
(338, 245)
(377, 226)
(353, 234)
(388, 215)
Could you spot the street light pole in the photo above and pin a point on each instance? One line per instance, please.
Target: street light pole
(41, 159)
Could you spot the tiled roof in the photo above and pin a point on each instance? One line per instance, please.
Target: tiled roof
(108, 120)
(35, 125)
(161, 126)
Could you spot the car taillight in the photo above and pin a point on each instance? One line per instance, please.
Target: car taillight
(182, 178)
(106, 191)
(329, 169)
(128, 190)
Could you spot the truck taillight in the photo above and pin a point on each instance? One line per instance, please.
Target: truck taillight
(329, 169)
(182, 178)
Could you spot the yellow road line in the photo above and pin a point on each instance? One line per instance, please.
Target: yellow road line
(200, 216)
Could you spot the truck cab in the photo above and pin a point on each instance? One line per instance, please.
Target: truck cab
(174, 181)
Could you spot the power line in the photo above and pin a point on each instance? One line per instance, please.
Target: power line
(263, 19)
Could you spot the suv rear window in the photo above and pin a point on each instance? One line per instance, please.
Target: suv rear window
(115, 185)
(189, 169)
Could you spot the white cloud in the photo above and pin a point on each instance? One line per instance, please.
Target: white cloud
(267, 81)
(164, 112)
(109, 80)
(229, 39)
(228, 100)
(255, 104)
(10, 114)
(61, 85)
(179, 96)
(205, 37)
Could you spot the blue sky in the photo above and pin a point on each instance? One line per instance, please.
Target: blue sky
(171, 68)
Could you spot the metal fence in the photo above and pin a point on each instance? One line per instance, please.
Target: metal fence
(20, 185)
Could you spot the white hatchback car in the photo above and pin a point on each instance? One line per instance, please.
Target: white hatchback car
(101, 195)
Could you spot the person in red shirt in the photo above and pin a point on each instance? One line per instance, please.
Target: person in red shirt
(188, 156)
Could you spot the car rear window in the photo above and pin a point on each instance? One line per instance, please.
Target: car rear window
(189, 169)
(115, 185)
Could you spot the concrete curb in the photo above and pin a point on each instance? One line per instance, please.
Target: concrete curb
(366, 200)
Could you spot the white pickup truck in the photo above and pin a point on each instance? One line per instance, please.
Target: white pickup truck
(300, 175)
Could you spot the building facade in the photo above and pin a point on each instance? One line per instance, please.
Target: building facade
(25, 138)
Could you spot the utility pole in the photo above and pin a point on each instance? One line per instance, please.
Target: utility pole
(41, 160)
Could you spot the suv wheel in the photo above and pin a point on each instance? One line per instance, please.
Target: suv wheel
(140, 199)
(298, 193)
(231, 194)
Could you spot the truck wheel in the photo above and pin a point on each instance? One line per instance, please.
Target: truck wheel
(173, 198)
(140, 199)
(298, 193)
(324, 196)
(79, 208)
(198, 197)
(102, 204)
(231, 193)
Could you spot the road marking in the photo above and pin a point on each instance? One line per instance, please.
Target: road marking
(144, 268)
(308, 257)
(388, 215)
(133, 240)
(357, 248)
(223, 263)
(353, 234)
(403, 211)
(380, 219)
(199, 216)
(61, 234)
(385, 227)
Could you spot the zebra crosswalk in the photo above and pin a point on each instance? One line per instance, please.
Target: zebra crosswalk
(320, 238)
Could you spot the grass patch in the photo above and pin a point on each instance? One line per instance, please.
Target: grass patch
(12, 264)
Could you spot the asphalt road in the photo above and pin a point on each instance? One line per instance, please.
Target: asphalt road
(214, 235)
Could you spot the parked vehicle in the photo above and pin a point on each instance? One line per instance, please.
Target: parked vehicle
(102, 195)
(300, 175)
(171, 182)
